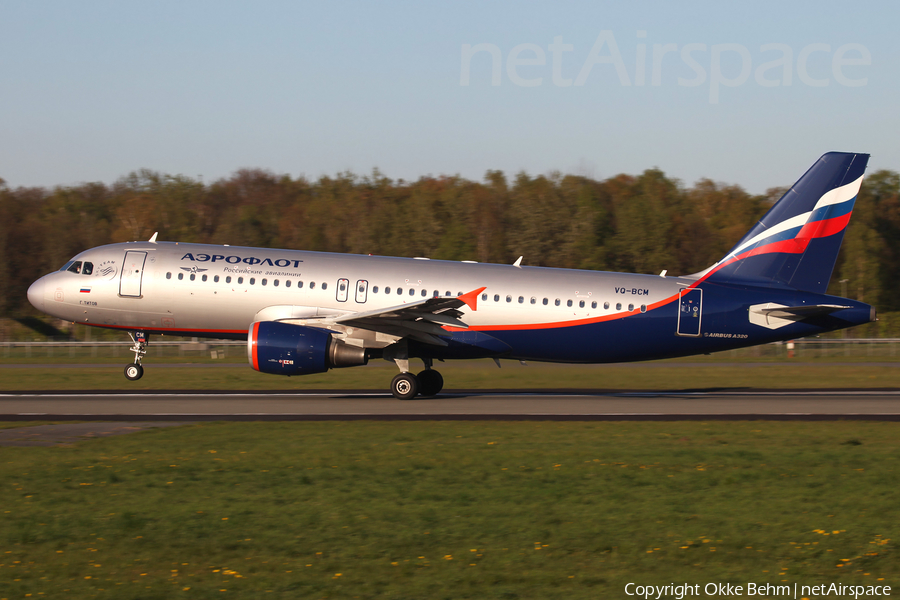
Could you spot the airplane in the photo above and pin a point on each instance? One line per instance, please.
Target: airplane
(308, 312)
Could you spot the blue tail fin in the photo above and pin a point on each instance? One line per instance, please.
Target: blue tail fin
(796, 243)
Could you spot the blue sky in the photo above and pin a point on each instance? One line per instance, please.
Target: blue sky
(94, 90)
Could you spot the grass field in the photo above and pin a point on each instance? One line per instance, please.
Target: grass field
(472, 375)
(449, 509)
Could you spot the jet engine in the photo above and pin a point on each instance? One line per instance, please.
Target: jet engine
(285, 349)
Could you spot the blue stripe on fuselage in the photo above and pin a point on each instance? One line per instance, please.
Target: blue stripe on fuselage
(725, 325)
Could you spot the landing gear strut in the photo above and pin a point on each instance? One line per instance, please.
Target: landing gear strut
(135, 371)
(407, 386)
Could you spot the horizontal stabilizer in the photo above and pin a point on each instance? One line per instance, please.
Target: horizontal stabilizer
(773, 316)
(802, 312)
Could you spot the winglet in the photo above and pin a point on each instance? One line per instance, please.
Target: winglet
(471, 298)
(152, 239)
(518, 262)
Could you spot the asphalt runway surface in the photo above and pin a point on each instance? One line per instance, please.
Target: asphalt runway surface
(507, 405)
(634, 365)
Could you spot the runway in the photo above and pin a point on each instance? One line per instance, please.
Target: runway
(583, 405)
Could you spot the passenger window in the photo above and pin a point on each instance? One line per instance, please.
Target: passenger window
(484, 297)
(546, 301)
(606, 306)
(87, 269)
(193, 277)
(496, 297)
(521, 299)
(240, 280)
(631, 307)
(299, 284)
(412, 292)
(275, 283)
(581, 304)
(375, 290)
(594, 304)
(216, 279)
(252, 280)
(643, 308)
(287, 283)
(312, 285)
(459, 293)
(618, 306)
(533, 300)
(324, 286)
(168, 276)
(180, 276)
(203, 278)
(343, 286)
(569, 303)
(399, 291)
(228, 279)
(436, 293)
(556, 302)
(76, 267)
(424, 293)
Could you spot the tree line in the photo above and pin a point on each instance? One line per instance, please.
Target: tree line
(643, 224)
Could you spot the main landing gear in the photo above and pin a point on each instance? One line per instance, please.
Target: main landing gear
(407, 386)
(135, 371)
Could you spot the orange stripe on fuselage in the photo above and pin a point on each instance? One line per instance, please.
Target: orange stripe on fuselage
(573, 323)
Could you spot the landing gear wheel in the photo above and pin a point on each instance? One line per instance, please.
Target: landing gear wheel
(430, 382)
(405, 386)
(134, 372)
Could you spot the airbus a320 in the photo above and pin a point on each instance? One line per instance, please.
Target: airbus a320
(308, 312)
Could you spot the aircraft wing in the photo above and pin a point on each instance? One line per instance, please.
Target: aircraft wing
(422, 320)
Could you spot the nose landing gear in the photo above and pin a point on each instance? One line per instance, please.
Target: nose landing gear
(135, 371)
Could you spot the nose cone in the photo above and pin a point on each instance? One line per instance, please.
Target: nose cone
(36, 294)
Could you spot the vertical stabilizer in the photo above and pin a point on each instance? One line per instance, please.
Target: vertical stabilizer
(797, 242)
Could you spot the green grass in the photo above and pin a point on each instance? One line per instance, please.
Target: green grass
(449, 509)
(469, 375)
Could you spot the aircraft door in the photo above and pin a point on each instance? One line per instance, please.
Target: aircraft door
(690, 310)
(362, 289)
(132, 274)
(343, 287)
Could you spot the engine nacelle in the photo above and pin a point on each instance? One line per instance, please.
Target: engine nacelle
(285, 349)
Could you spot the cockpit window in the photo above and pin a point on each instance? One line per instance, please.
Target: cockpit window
(75, 267)
(66, 266)
(87, 268)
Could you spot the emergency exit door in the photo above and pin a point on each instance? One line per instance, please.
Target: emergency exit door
(690, 311)
(362, 290)
(132, 274)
